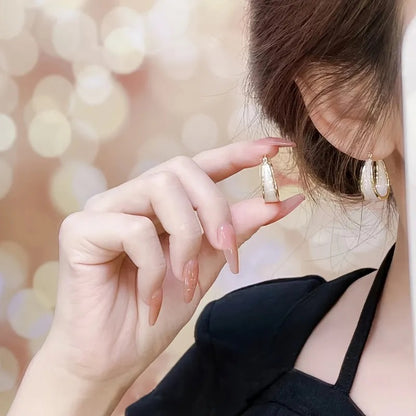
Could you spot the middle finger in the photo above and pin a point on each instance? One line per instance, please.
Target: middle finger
(137, 197)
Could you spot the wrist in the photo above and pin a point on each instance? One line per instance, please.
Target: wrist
(50, 389)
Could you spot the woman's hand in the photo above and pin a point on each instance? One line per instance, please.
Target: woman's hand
(155, 242)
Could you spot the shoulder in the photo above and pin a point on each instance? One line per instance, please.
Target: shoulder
(245, 315)
(243, 341)
(247, 318)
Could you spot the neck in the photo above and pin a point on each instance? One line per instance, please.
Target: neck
(399, 266)
(397, 309)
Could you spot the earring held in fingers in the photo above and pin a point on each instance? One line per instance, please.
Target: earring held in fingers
(268, 181)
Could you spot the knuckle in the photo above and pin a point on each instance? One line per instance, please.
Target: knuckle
(165, 179)
(69, 226)
(143, 227)
(189, 233)
(92, 202)
(181, 160)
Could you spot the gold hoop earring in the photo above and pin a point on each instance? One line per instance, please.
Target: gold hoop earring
(374, 180)
(268, 181)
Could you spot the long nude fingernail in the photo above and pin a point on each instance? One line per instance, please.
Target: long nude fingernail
(291, 203)
(228, 242)
(190, 278)
(155, 305)
(277, 141)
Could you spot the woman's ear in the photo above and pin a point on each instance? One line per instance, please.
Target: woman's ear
(339, 116)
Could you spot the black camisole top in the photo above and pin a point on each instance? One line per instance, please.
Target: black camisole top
(246, 345)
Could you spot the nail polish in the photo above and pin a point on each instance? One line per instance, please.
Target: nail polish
(277, 141)
(291, 203)
(227, 240)
(190, 278)
(155, 305)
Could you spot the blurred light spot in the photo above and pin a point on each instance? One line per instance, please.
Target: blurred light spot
(121, 17)
(94, 84)
(139, 6)
(13, 264)
(2, 285)
(9, 93)
(28, 113)
(155, 151)
(12, 18)
(45, 283)
(224, 56)
(30, 17)
(28, 317)
(124, 50)
(93, 56)
(52, 93)
(50, 133)
(8, 132)
(61, 6)
(88, 181)
(6, 178)
(33, 4)
(9, 369)
(178, 99)
(84, 144)
(13, 271)
(200, 132)
(17, 251)
(42, 31)
(19, 55)
(167, 20)
(62, 190)
(72, 185)
(142, 166)
(122, 32)
(217, 16)
(104, 120)
(179, 59)
(74, 34)
(6, 400)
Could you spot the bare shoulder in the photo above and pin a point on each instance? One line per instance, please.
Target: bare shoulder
(324, 351)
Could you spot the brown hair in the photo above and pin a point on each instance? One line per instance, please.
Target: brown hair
(353, 43)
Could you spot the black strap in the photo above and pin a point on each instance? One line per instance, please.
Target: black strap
(362, 331)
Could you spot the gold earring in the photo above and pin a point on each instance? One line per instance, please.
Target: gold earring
(268, 181)
(374, 180)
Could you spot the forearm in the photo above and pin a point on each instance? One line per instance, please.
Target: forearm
(46, 390)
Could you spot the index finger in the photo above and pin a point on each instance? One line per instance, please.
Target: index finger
(223, 162)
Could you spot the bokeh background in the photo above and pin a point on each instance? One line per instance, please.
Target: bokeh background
(93, 93)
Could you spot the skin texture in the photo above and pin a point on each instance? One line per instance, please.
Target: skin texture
(128, 281)
(386, 379)
(101, 339)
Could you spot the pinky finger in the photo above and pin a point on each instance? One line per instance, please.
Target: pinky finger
(96, 239)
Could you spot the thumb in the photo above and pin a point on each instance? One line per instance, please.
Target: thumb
(252, 214)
